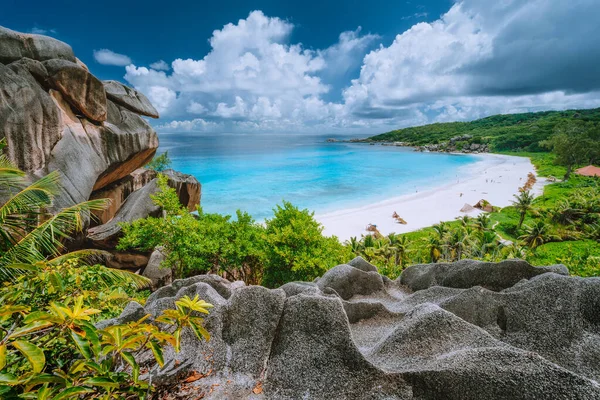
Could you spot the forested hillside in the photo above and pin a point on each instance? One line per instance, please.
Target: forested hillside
(503, 132)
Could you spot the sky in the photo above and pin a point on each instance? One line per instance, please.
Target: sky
(331, 66)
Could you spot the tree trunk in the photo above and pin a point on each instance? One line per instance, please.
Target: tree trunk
(521, 219)
(568, 173)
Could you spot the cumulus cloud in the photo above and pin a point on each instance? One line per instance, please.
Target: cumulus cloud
(480, 59)
(109, 57)
(160, 65)
(477, 59)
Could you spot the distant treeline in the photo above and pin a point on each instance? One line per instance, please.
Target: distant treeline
(510, 132)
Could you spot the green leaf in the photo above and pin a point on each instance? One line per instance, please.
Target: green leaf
(2, 356)
(102, 382)
(9, 379)
(92, 336)
(45, 378)
(32, 353)
(29, 328)
(73, 393)
(157, 351)
(134, 365)
(82, 345)
(199, 330)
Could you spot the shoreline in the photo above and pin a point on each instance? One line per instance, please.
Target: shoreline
(495, 177)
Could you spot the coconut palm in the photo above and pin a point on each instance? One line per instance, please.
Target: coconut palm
(434, 247)
(482, 222)
(401, 244)
(565, 213)
(523, 204)
(537, 234)
(440, 229)
(32, 238)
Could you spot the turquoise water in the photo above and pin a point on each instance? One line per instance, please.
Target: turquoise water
(256, 172)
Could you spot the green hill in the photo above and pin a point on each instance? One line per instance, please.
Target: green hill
(503, 132)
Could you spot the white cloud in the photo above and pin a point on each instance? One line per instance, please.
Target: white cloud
(160, 65)
(109, 57)
(42, 31)
(475, 60)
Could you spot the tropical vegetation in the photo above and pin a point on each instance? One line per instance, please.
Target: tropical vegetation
(50, 299)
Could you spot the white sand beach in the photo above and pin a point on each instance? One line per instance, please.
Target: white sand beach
(495, 178)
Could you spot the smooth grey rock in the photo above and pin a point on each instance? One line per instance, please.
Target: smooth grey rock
(348, 281)
(294, 288)
(80, 88)
(362, 264)
(468, 273)
(16, 45)
(158, 274)
(129, 98)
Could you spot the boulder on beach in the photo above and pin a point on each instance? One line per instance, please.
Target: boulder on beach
(465, 330)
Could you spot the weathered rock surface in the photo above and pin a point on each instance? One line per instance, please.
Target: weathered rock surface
(187, 187)
(55, 115)
(129, 98)
(16, 45)
(118, 192)
(80, 88)
(158, 275)
(355, 335)
(463, 274)
(138, 205)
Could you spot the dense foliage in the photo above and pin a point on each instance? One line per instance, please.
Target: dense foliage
(49, 300)
(290, 246)
(515, 132)
(160, 162)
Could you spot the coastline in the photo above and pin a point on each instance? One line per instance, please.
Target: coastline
(495, 178)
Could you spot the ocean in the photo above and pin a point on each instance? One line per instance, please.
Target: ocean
(254, 172)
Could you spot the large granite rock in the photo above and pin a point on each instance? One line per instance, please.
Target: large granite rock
(138, 205)
(15, 46)
(158, 274)
(80, 88)
(464, 273)
(29, 119)
(55, 115)
(117, 192)
(187, 187)
(352, 337)
(129, 98)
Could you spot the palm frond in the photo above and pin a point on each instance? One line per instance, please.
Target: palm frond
(46, 239)
(120, 276)
(87, 256)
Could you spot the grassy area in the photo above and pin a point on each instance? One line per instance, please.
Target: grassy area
(582, 257)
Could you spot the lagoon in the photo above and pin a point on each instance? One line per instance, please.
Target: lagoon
(254, 172)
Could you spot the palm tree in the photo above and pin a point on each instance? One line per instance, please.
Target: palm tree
(482, 222)
(537, 234)
(523, 204)
(401, 244)
(440, 229)
(32, 238)
(354, 244)
(434, 247)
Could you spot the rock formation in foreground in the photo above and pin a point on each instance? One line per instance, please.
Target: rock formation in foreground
(467, 330)
(57, 116)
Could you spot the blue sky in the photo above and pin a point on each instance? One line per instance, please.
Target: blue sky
(331, 66)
